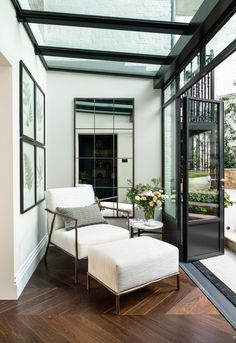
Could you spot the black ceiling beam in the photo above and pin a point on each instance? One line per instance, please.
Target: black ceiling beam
(212, 16)
(101, 22)
(101, 55)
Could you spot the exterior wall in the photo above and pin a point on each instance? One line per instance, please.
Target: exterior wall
(22, 235)
(230, 178)
(63, 87)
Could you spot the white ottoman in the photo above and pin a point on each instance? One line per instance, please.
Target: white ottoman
(126, 265)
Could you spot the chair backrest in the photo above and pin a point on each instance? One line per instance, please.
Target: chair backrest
(82, 195)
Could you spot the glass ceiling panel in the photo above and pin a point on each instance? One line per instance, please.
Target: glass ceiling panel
(101, 39)
(102, 66)
(164, 10)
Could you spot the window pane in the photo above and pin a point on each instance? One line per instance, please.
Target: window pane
(190, 71)
(170, 158)
(102, 66)
(125, 168)
(101, 39)
(84, 120)
(221, 40)
(124, 143)
(86, 171)
(170, 91)
(139, 9)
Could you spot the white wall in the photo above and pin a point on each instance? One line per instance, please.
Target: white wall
(63, 87)
(22, 236)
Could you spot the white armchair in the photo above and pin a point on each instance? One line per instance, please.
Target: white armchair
(76, 241)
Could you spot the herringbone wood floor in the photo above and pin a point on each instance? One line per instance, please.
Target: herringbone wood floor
(53, 309)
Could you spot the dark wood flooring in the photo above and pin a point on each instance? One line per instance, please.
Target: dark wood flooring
(53, 309)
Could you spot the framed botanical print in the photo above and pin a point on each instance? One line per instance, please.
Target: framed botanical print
(39, 115)
(27, 175)
(40, 173)
(27, 103)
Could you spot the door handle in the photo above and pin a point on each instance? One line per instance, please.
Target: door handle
(222, 181)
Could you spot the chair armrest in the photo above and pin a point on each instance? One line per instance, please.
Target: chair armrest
(109, 198)
(115, 209)
(119, 210)
(63, 216)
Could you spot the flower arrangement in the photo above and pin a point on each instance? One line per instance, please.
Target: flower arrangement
(147, 196)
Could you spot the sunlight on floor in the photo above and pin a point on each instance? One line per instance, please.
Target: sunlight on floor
(223, 267)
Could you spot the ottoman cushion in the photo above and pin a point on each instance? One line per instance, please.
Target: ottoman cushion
(133, 262)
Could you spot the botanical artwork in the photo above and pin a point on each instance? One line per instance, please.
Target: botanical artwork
(27, 115)
(40, 173)
(28, 176)
(39, 116)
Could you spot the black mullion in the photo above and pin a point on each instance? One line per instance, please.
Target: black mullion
(104, 22)
(102, 55)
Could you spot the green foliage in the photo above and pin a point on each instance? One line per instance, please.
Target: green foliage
(29, 176)
(230, 131)
(148, 196)
(26, 100)
(194, 174)
(133, 191)
(39, 111)
(83, 176)
(210, 197)
(40, 172)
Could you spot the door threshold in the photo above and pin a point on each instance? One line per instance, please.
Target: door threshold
(225, 307)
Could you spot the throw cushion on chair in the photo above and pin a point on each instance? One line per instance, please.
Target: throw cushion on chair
(86, 215)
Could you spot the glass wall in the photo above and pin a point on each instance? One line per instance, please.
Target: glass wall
(170, 159)
(221, 40)
(169, 91)
(189, 71)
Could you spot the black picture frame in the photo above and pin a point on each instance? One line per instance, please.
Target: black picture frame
(39, 115)
(27, 103)
(40, 172)
(32, 141)
(27, 175)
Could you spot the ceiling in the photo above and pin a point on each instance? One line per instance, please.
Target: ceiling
(124, 37)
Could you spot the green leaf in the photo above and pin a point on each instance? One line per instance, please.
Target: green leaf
(29, 176)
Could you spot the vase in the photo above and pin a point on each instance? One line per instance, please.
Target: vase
(149, 212)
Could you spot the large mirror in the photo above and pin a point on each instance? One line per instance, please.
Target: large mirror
(104, 147)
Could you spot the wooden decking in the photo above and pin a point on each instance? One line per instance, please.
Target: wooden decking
(53, 309)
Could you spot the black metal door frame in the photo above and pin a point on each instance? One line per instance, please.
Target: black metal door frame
(184, 214)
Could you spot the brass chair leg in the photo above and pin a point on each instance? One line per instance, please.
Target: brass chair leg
(49, 237)
(177, 281)
(76, 271)
(117, 304)
(88, 282)
(46, 252)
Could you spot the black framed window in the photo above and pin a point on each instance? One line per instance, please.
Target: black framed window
(104, 145)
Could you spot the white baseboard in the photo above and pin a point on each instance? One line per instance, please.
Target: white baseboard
(26, 270)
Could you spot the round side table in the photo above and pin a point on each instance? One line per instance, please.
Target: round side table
(141, 226)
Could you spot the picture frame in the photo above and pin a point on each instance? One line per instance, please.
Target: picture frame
(27, 103)
(39, 115)
(40, 173)
(27, 175)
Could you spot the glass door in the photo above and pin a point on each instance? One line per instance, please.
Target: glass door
(202, 174)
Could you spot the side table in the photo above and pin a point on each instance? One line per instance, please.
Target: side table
(142, 226)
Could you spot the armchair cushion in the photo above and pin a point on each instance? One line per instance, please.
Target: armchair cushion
(86, 215)
(87, 237)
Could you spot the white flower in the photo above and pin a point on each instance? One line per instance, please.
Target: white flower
(137, 198)
(159, 203)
